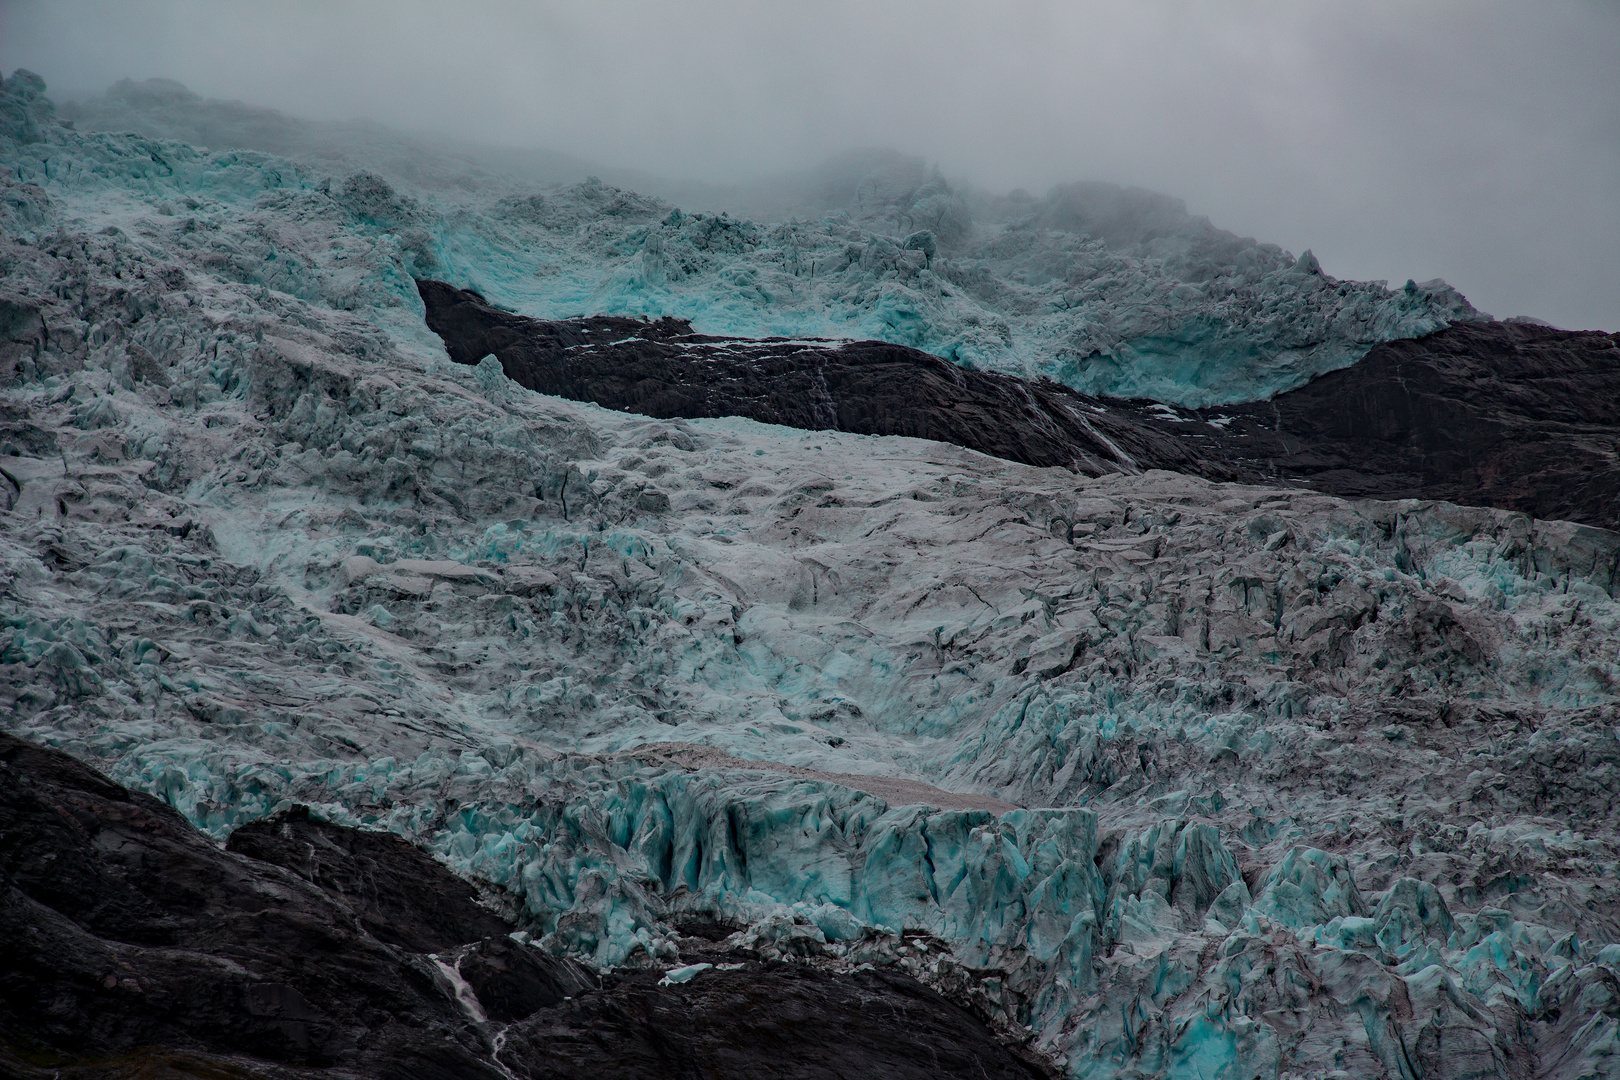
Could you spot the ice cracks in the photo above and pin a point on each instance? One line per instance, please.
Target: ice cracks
(1198, 318)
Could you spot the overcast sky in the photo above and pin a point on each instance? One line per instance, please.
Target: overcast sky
(1475, 140)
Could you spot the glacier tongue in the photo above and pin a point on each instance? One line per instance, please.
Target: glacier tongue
(1267, 782)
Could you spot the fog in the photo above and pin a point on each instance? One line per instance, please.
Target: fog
(1477, 141)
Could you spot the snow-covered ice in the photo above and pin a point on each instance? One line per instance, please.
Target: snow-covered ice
(1109, 290)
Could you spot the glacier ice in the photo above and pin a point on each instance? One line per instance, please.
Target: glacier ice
(679, 975)
(1198, 318)
(1265, 782)
(1109, 290)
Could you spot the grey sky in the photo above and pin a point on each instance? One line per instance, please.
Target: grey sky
(1477, 141)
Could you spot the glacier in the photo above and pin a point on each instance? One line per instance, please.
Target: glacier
(1168, 777)
(1108, 290)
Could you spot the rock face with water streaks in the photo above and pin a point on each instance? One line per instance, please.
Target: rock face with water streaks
(126, 930)
(135, 946)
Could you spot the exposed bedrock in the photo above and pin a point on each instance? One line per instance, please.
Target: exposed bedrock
(1519, 416)
(1499, 414)
(662, 369)
(135, 946)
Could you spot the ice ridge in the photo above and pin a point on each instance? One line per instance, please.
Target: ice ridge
(1108, 290)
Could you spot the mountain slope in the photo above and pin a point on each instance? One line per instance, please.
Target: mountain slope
(1160, 774)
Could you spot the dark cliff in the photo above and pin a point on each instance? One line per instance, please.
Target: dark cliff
(662, 369)
(1495, 414)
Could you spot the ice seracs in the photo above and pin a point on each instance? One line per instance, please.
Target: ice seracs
(1109, 290)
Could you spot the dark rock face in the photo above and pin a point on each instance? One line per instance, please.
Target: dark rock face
(1499, 414)
(133, 946)
(785, 1021)
(1496, 414)
(378, 875)
(662, 369)
(126, 930)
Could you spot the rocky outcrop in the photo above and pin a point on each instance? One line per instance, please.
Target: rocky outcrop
(663, 369)
(1515, 416)
(127, 932)
(743, 1018)
(134, 946)
(399, 895)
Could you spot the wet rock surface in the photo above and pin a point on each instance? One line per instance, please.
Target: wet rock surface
(1517, 416)
(662, 369)
(400, 895)
(134, 946)
(1505, 414)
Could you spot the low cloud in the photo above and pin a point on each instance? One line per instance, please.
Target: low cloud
(1478, 141)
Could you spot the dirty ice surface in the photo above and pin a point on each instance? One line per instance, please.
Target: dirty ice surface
(1237, 782)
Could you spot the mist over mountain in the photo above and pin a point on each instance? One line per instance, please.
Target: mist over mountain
(165, 109)
(1470, 140)
(1106, 289)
